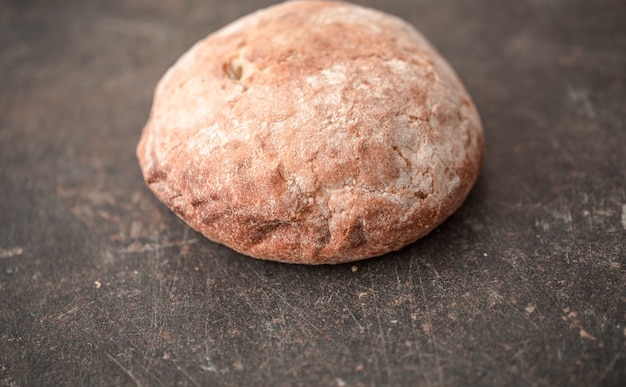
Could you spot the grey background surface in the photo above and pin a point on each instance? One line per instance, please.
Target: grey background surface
(100, 284)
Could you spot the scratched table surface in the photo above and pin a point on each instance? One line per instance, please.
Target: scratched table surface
(100, 284)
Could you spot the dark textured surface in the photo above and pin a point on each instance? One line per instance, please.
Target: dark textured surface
(100, 284)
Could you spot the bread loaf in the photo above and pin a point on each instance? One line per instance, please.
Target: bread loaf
(312, 132)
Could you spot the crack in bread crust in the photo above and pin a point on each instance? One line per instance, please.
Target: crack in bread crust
(282, 141)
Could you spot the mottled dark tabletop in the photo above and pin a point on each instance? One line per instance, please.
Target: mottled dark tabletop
(100, 284)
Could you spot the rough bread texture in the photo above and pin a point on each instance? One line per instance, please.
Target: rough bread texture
(312, 132)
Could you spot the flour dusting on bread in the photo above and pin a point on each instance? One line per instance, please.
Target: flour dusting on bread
(312, 132)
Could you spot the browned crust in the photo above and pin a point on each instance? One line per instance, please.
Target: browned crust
(312, 132)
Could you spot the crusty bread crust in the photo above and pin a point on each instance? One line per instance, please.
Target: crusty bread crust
(312, 132)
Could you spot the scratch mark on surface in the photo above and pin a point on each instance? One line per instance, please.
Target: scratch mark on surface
(383, 344)
(302, 316)
(350, 312)
(275, 333)
(77, 308)
(430, 333)
(181, 253)
(193, 381)
(566, 153)
(361, 295)
(210, 367)
(127, 371)
(624, 216)
(254, 271)
(544, 226)
(581, 96)
(73, 310)
(157, 257)
(610, 367)
(420, 355)
(137, 247)
(614, 306)
(12, 252)
(156, 326)
(565, 216)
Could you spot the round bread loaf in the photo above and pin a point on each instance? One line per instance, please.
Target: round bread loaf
(312, 132)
